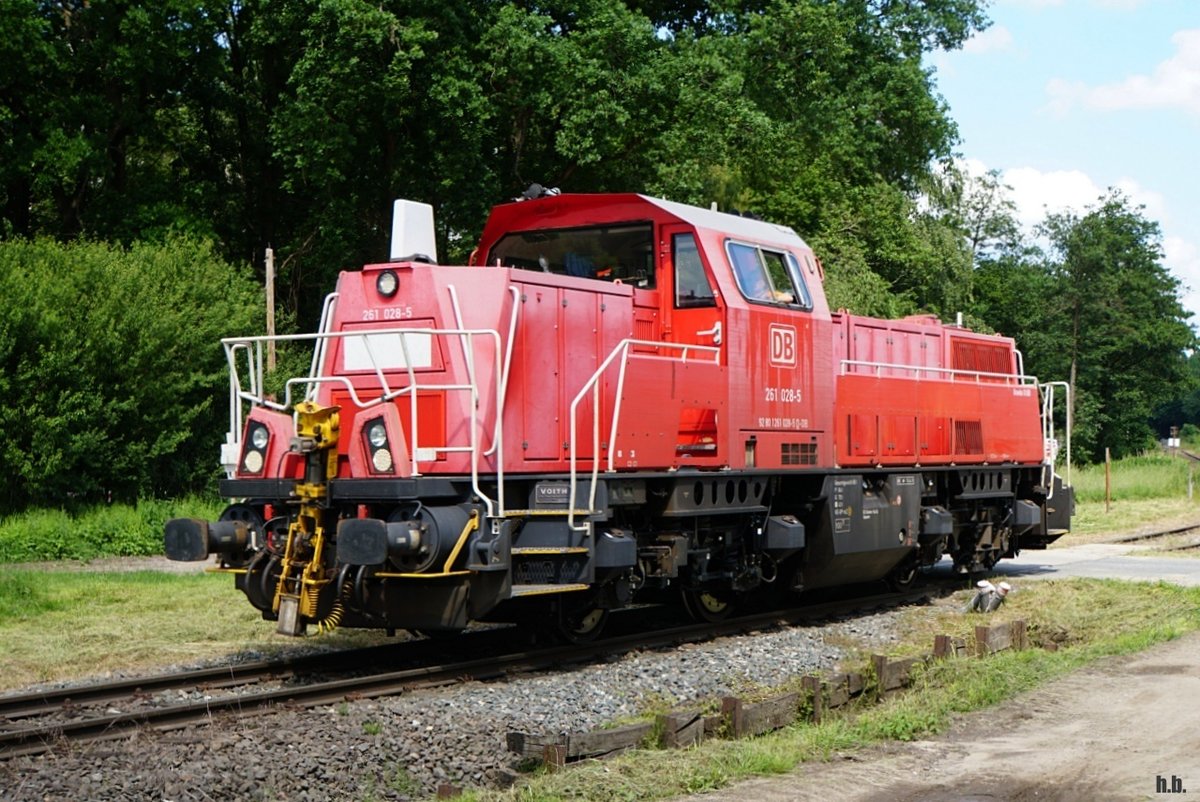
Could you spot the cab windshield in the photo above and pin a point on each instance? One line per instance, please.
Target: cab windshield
(609, 253)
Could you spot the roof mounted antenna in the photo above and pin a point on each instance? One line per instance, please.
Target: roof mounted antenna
(536, 191)
(413, 238)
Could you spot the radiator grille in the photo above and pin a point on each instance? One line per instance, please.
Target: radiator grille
(968, 437)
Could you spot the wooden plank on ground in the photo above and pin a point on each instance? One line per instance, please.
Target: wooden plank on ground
(528, 744)
(1020, 634)
(681, 728)
(602, 743)
(555, 755)
(989, 640)
(769, 715)
(837, 690)
(893, 674)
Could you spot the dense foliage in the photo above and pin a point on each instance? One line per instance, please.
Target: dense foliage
(1100, 311)
(292, 124)
(110, 367)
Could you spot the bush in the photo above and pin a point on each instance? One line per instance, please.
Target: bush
(103, 530)
(111, 368)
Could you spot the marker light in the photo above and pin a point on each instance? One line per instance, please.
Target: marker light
(387, 283)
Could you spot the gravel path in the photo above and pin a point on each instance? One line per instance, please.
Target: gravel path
(403, 747)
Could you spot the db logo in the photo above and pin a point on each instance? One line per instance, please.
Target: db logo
(783, 346)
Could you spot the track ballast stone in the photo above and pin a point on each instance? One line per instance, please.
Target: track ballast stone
(403, 747)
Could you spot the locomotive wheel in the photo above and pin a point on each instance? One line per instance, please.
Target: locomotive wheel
(904, 575)
(579, 623)
(707, 604)
(262, 575)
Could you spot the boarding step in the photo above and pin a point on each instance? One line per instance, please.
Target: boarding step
(542, 590)
(543, 550)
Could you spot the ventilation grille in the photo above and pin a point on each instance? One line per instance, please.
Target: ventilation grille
(798, 453)
(981, 357)
(968, 437)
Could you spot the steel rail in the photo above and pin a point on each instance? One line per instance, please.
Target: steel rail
(1157, 534)
(41, 738)
(39, 703)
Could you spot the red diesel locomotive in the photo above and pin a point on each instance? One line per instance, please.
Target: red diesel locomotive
(619, 396)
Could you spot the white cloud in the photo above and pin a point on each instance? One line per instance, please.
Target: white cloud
(1175, 83)
(993, 40)
(1030, 3)
(1037, 193)
(1120, 5)
(1182, 258)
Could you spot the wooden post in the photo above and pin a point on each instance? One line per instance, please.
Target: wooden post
(812, 684)
(1107, 480)
(554, 755)
(270, 310)
(1191, 476)
(731, 710)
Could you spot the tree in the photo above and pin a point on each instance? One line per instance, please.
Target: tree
(1101, 310)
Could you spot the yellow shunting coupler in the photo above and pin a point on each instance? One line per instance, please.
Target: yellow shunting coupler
(303, 572)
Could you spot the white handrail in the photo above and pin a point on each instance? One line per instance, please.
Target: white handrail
(318, 359)
(508, 353)
(1008, 378)
(593, 383)
(256, 396)
(1048, 428)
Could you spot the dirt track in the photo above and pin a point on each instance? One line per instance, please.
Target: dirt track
(1108, 732)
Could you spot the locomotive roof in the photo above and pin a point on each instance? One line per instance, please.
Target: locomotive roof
(732, 224)
(613, 207)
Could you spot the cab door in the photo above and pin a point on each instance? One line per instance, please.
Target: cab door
(693, 313)
(777, 412)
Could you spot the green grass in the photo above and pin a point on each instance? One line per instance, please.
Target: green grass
(1093, 618)
(102, 530)
(66, 625)
(1148, 476)
(1093, 523)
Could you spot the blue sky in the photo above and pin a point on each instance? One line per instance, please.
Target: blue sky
(1069, 97)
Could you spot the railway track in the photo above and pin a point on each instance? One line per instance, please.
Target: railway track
(21, 732)
(1165, 533)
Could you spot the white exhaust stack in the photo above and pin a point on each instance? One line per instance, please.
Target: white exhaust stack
(413, 239)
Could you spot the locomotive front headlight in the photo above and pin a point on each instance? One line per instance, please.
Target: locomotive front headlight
(377, 434)
(259, 437)
(382, 460)
(387, 283)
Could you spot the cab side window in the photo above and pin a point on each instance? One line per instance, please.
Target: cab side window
(768, 276)
(691, 285)
(749, 271)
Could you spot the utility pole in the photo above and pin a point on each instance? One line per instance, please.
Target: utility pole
(270, 310)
